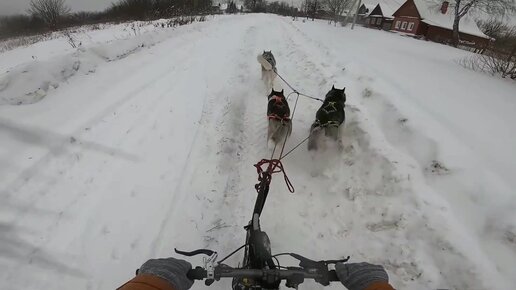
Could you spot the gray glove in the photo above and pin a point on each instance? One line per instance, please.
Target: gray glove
(172, 270)
(359, 276)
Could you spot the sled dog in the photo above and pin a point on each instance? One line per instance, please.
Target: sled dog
(268, 63)
(328, 118)
(278, 113)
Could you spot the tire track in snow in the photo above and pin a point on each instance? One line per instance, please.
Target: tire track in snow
(225, 117)
(238, 129)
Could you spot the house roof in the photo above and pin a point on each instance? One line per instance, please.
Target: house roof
(430, 12)
(388, 7)
(369, 8)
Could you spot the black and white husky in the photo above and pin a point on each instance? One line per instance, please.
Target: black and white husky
(268, 62)
(278, 113)
(329, 117)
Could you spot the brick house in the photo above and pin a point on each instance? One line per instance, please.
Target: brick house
(435, 23)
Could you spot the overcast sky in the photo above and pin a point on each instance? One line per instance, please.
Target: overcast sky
(8, 7)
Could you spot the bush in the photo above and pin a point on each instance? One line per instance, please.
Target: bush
(154, 9)
(19, 25)
(492, 63)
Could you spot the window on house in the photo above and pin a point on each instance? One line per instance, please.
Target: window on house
(404, 25)
(378, 20)
(411, 26)
(397, 24)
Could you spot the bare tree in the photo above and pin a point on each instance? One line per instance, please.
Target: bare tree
(305, 8)
(491, 7)
(492, 27)
(337, 7)
(312, 7)
(50, 11)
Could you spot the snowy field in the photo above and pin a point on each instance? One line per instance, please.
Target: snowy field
(141, 142)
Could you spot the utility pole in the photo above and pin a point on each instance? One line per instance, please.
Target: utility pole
(356, 14)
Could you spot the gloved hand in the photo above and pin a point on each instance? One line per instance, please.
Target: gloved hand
(172, 270)
(359, 276)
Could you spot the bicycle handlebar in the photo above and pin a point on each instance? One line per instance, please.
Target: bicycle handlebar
(308, 269)
(296, 274)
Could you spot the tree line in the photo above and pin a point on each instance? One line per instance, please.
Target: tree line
(50, 15)
(275, 7)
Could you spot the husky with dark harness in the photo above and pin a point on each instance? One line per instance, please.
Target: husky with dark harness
(278, 113)
(329, 117)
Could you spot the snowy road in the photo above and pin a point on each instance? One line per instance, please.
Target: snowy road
(156, 150)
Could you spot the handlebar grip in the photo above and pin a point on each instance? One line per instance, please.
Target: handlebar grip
(332, 276)
(197, 274)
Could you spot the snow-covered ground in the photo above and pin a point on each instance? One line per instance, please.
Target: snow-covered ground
(150, 144)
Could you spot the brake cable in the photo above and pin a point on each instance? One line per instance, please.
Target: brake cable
(231, 254)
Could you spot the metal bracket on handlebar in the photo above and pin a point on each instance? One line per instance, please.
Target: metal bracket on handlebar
(209, 265)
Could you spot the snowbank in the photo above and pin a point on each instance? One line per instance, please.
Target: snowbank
(27, 82)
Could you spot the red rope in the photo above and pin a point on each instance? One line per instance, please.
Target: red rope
(273, 166)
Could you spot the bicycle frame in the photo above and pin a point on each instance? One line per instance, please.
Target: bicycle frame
(257, 254)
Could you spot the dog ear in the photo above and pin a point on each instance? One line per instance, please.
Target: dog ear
(272, 92)
(282, 91)
(344, 89)
(333, 87)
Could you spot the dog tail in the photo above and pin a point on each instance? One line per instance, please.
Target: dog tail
(264, 62)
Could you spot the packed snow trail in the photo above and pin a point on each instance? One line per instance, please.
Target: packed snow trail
(155, 151)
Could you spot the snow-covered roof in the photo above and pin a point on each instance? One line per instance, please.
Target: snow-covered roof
(369, 8)
(430, 12)
(388, 6)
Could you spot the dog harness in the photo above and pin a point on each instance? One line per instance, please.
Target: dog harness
(327, 124)
(330, 108)
(276, 117)
(279, 104)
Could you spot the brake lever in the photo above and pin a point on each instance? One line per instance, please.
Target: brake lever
(320, 266)
(209, 266)
(196, 252)
(307, 263)
(209, 263)
(330, 262)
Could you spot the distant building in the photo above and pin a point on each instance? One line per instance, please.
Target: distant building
(378, 14)
(364, 11)
(435, 23)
